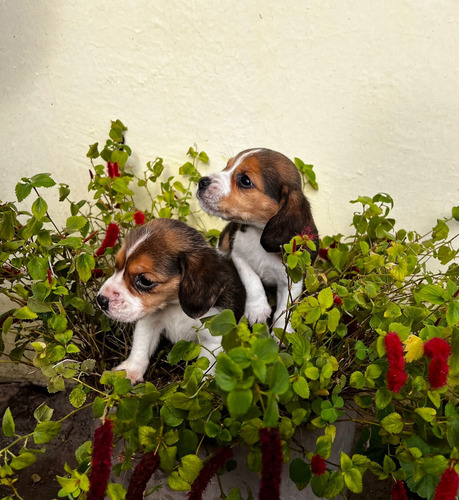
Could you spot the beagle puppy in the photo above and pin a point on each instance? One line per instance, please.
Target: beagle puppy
(260, 192)
(166, 278)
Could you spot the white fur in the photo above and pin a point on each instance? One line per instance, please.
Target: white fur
(256, 266)
(175, 325)
(124, 306)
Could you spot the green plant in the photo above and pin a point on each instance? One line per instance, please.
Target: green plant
(333, 367)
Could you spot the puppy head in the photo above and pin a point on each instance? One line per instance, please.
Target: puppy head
(159, 264)
(263, 188)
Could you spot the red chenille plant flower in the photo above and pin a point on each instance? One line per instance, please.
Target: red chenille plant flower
(139, 218)
(318, 465)
(448, 485)
(271, 468)
(113, 170)
(437, 347)
(398, 491)
(142, 473)
(439, 350)
(110, 239)
(101, 462)
(208, 472)
(396, 375)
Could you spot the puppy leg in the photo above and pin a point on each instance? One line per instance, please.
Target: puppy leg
(257, 308)
(210, 348)
(144, 343)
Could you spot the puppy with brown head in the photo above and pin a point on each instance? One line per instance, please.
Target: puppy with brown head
(260, 192)
(166, 278)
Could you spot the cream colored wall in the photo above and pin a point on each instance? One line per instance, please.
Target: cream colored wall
(367, 91)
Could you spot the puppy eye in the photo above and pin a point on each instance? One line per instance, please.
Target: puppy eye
(244, 181)
(144, 284)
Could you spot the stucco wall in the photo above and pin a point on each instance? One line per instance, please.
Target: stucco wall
(367, 91)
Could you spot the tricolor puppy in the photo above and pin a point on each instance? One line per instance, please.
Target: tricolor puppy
(260, 191)
(166, 278)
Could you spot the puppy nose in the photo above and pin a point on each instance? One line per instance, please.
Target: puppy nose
(103, 302)
(204, 182)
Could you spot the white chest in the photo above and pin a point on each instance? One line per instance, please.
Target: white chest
(268, 266)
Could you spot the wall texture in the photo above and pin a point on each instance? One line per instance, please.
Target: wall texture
(366, 91)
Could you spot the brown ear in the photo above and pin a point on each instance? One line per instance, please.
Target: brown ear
(200, 286)
(294, 217)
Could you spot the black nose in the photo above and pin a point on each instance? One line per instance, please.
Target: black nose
(204, 182)
(103, 302)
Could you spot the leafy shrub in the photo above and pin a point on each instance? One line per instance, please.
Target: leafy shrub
(368, 297)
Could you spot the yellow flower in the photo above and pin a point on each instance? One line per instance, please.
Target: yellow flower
(414, 347)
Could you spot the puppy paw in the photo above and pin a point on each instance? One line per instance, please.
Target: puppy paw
(134, 374)
(257, 311)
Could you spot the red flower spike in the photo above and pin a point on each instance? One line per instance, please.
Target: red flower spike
(398, 491)
(272, 459)
(448, 485)
(142, 473)
(294, 246)
(116, 169)
(139, 218)
(97, 273)
(101, 462)
(437, 347)
(318, 465)
(396, 375)
(49, 276)
(337, 300)
(110, 239)
(208, 472)
(110, 170)
(438, 372)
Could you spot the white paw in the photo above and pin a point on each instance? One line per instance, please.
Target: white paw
(257, 311)
(134, 374)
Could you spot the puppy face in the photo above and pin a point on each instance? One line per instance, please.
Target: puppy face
(161, 263)
(250, 188)
(146, 277)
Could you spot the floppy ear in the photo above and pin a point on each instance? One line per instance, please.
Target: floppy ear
(294, 217)
(200, 287)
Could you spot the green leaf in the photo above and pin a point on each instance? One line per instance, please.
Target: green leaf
(176, 483)
(393, 423)
(39, 208)
(75, 223)
(77, 397)
(333, 317)
(183, 350)
(23, 190)
(300, 473)
(38, 267)
(25, 313)
(279, 380)
(23, 460)
(428, 414)
(227, 372)
(301, 387)
(8, 426)
(190, 467)
(455, 213)
(127, 409)
(325, 299)
(43, 413)
(222, 324)
(357, 380)
(46, 431)
(383, 398)
(116, 491)
(353, 480)
(271, 417)
(433, 294)
(93, 151)
(452, 313)
(85, 263)
(239, 402)
(265, 349)
(42, 180)
(211, 429)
